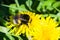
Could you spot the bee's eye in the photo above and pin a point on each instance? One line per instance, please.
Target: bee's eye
(16, 17)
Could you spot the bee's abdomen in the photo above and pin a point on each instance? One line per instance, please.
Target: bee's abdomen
(24, 18)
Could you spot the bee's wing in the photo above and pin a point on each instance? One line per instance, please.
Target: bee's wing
(23, 19)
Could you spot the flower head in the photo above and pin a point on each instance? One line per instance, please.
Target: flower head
(34, 26)
(48, 30)
(23, 23)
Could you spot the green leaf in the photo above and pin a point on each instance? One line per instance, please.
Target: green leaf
(12, 8)
(22, 8)
(44, 5)
(51, 0)
(29, 3)
(3, 29)
(39, 6)
(52, 15)
(45, 15)
(19, 38)
(5, 34)
(10, 37)
(58, 14)
(56, 4)
(4, 38)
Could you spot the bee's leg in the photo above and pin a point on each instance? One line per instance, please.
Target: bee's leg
(19, 25)
(27, 24)
(11, 28)
(30, 20)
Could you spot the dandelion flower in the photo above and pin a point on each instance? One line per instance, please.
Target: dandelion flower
(48, 30)
(35, 27)
(19, 25)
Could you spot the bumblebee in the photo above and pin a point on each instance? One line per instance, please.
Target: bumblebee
(24, 18)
